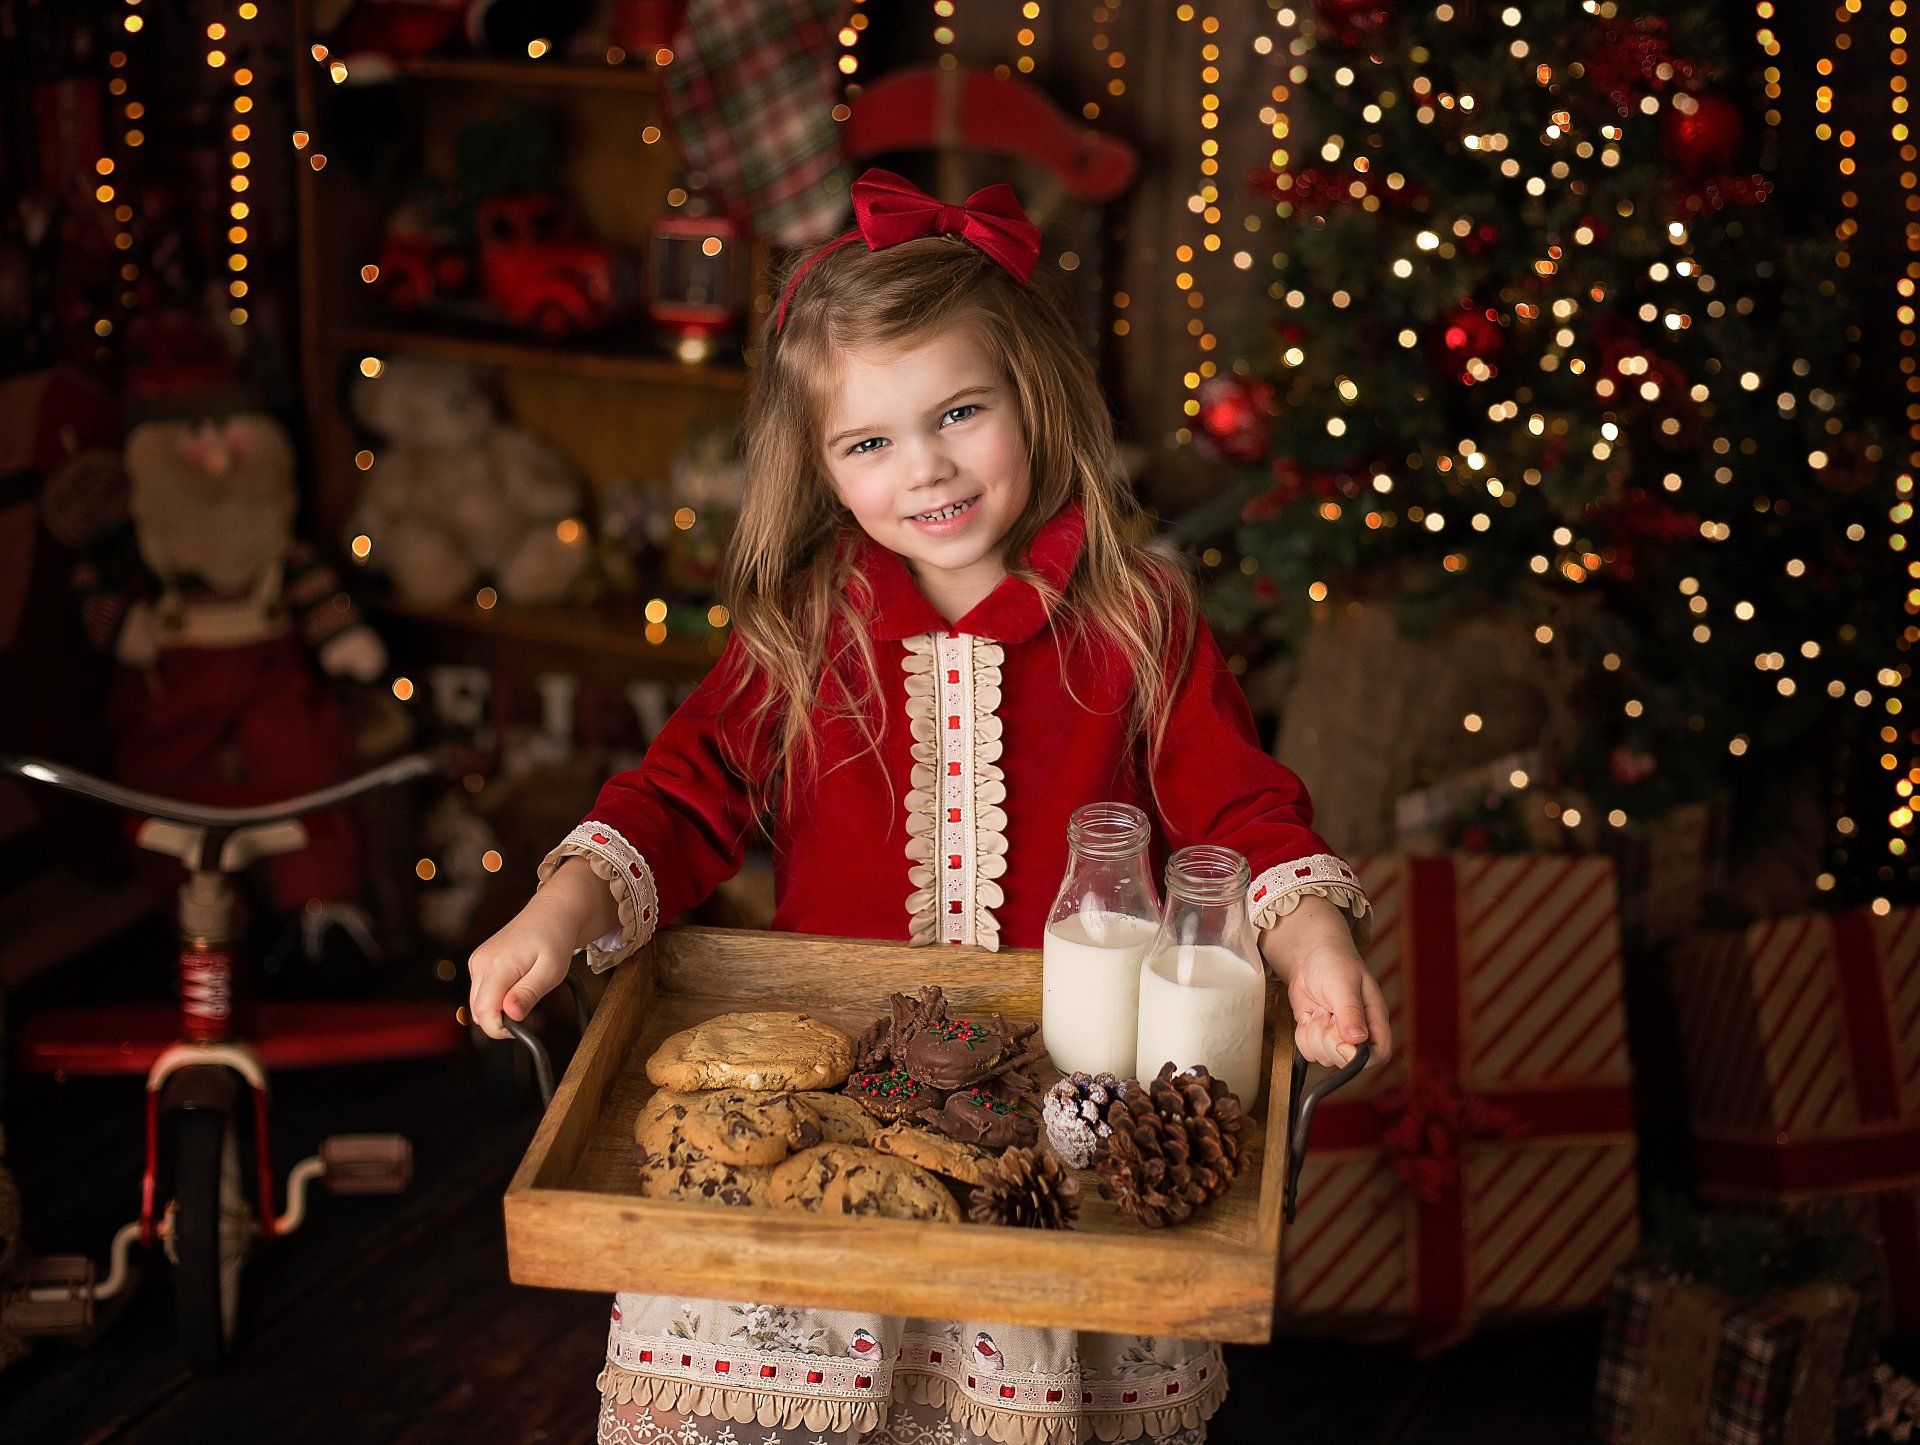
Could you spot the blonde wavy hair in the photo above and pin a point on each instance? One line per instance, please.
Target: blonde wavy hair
(788, 578)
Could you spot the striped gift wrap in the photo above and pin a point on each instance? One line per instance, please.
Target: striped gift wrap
(1802, 1039)
(1488, 1170)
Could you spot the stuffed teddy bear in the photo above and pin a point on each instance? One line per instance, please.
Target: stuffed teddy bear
(191, 576)
(456, 496)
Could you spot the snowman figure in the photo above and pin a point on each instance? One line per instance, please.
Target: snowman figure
(986, 1354)
(865, 1348)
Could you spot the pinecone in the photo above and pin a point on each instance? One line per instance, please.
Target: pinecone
(1175, 1144)
(1075, 1114)
(1032, 1190)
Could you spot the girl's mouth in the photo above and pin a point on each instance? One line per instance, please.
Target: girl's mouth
(946, 519)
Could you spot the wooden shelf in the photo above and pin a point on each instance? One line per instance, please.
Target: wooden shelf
(633, 79)
(591, 358)
(608, 641)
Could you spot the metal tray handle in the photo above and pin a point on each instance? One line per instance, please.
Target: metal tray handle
(542, 1064)
(1303, 1106)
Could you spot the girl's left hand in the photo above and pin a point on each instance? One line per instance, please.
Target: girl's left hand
(1336, 1005)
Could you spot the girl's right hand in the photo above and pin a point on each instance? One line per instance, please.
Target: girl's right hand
(516, 968)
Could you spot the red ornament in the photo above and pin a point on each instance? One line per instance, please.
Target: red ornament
(1236, 419)
(1480, 239)
(1699, 133)
(1470, 333)
(1629, 765)
(1353, 23)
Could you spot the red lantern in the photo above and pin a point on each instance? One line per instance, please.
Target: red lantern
(1468, 334)
(696, 280)
(1236, 419)
(1699, 133)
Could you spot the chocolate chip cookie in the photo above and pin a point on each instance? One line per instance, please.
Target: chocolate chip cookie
(754, 1051)
(936, 1153)
(680, 1172)
(733, 1126)
(842, 1120)
(847, 1179)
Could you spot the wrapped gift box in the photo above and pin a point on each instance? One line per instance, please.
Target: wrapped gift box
(1488, 1169)
(1681, 1362)
(1802, 1039)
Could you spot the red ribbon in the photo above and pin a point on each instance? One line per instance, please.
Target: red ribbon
(1879, 1159)
(1424, 1125)
(889, 209)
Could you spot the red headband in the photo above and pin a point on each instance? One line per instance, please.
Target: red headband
(889, 209)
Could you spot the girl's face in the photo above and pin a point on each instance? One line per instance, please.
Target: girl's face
(924, 446)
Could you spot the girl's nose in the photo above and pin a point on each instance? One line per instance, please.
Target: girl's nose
(929, 463)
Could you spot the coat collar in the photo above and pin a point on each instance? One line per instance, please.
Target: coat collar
(1013, 612)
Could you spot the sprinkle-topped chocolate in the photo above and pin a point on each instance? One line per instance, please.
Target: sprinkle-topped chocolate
(981, 1117)
(891, 1095)
(954, 1053)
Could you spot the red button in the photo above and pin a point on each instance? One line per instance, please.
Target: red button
(953, 721)
(953, 860)
(646, 1356)
(953, 675)
(860, 1382)
(953, 770)
(953, 815)
(1053, 1397)
(723, 1366)
(1007, 1392)
(767, 1372)
(954, 907)
(1130, 1397)
(814, 1377)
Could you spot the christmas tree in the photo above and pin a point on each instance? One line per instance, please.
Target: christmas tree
(1544, 340)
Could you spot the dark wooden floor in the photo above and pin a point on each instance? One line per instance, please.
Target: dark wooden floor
(391, 1319)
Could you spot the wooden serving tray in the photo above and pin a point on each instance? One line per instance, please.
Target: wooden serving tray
(575, 1219)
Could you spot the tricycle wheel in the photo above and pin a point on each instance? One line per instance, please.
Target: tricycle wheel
(211, 1230)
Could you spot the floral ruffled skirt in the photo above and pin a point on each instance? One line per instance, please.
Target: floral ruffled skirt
(697, 1371)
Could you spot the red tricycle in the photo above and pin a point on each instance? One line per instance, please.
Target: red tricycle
(206, 1064)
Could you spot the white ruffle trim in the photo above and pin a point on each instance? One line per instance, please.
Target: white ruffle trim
(956, 824)
(618, 864)
(771, 1408)
(741, 1406)
(1278, 891)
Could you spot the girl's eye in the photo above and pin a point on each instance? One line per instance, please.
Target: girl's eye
(866, 447)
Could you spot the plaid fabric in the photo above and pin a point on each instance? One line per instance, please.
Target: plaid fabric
(1623, 1347)
(1753, 1368)
(750, 96)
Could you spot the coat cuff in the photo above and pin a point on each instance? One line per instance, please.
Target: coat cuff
(1278, 891)
(618, 864)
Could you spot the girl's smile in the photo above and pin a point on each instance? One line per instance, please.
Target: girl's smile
(925, 447)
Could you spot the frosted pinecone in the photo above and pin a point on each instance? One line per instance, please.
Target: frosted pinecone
(1075, 1112)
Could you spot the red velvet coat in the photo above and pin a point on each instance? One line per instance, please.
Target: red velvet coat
(958, 831)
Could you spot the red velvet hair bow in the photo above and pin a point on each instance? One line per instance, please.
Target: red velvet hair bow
(889, 209)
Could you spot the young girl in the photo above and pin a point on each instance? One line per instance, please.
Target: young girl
(948, 634)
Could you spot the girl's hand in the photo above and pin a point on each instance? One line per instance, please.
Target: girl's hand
(1335, 1001)
(514, 970)
(527, 960)
(1337, 1005)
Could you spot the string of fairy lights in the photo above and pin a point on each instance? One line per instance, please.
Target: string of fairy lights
(111, 172)
(1894, 677)
(1204, 202)
(221, 39)
(1901, 515)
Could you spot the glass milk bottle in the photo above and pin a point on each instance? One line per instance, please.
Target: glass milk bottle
(1203, 987)
(1104, 917)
